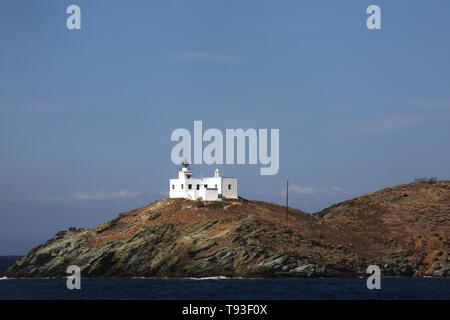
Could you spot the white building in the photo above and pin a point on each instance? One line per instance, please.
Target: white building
(209, 189)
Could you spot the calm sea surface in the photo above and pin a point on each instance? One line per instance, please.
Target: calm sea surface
(219, 288)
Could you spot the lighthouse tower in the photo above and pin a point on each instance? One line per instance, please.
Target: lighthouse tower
(185, 172)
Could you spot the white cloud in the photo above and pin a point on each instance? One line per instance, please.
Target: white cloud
(306, 198)
(383, 125)
(440, 104)
(311, 191)
(85, 196)
(387, 124)
(36, 105)
(206, 56)
(302, 190)
(164, 193)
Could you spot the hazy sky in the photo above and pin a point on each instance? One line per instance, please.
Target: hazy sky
(86, 115)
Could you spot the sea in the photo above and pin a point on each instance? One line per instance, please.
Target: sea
(222, 288)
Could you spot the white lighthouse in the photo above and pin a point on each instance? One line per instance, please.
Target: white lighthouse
(209, 189)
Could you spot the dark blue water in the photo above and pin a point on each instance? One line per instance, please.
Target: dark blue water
(228, 289)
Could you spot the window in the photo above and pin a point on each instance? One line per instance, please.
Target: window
(216, 186)
(198, 187)
(206, 186)
(189, 186)
(182, 186)
(229, 187)
(173, 187)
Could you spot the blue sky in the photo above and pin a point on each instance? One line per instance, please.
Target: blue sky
(86, 115)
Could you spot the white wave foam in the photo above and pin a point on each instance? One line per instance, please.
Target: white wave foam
(4, 278)
(211, 278)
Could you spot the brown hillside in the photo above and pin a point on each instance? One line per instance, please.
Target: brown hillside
(404, 229)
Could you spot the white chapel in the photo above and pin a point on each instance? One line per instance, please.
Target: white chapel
(209, 189)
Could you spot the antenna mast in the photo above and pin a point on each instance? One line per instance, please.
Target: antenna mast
(287, 198)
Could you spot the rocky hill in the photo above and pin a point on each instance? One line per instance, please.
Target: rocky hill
(404, 229)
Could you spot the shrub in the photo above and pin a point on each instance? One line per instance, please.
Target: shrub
(216, 205)
(199, 202)
(429, 180)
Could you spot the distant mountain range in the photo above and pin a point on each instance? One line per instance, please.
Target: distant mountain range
(403, 229)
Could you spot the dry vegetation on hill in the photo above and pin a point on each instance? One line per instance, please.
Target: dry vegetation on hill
(404, 229)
